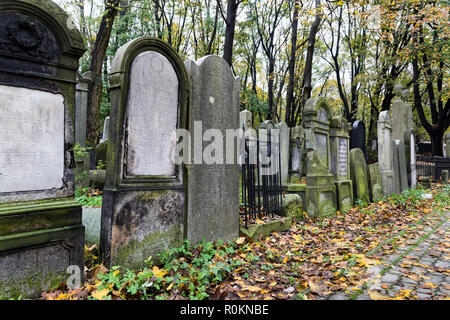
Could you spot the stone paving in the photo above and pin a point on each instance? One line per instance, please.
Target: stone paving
(419, 270)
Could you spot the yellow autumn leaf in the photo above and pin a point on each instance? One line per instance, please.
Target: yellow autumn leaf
(240, 240)
(273, 284)
(285, 259)
(251, 288)
(159, 273)
(375, 295)
(115, 273)
(259, 221)
(100, 294)
(170, 286)
(431, 284)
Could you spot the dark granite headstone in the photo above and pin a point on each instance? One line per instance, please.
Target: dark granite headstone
(358, 137)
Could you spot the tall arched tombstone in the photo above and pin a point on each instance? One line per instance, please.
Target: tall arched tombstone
(144, 196)
(213, 177)
(41, 233)
(320, 187)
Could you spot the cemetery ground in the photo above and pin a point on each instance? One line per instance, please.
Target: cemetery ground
(394, 249)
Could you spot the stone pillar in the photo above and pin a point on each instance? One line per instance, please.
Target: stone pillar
(385, 153)
(81, 97)
(144, 207)
(358, 172)
(400, 172)
(339, 149)
(373, 171)
(105, 133)
(41, 231)
(447, 142)
(296, 147)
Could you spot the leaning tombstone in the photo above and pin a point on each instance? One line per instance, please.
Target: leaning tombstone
(320, 188)
(358, 173)
(339, 149)
(144, 196)
(385, 153)
(213, 180)
(41, 231)
(358, 136)
(373, 171)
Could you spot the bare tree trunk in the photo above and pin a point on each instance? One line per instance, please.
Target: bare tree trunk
(98, 56)
(290, 88)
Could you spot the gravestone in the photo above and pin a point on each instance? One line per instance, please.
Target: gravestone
(144, 196)
(284, 151)
(358, 136)
(410, 156)
(374, 182)
(41, 231)
(213, 188)
(105, 130)
(402, 117)
(358, 173)
(82, 163)
(320, 188)
(444, 176)
(296, 147)
(400, 171)
(385, 153)
(447, 141)
(339, 149)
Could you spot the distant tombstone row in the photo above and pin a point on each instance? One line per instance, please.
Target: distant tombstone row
(41, 231)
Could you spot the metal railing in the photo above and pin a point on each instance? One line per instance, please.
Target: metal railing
(261, 192)
(431, 166)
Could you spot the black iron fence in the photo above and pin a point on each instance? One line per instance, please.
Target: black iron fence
(431, 166)
(261, 192)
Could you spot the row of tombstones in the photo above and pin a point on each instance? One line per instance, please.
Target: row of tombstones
(331, 155)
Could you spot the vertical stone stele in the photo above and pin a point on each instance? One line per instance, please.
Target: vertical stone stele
(385, 153)
(339, 149)
(320, 186)
(143, 210)
(358, 172)
(213, 184)
(41, 233)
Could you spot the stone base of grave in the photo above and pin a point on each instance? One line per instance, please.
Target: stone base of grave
(137, 225)
(344, 195)
(300, 189)
(254, 231)
(387, 182)
(38, 242)
(320, 196)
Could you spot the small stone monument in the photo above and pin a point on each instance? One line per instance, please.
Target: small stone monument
(374, 182)
(447, 141)
(385, 153)
(41, 231)
(358, 173)
(296, 146)
(339, 149)
(444, 176)
(320, 187)
(143, 210)
(284, 151)
(400, 171)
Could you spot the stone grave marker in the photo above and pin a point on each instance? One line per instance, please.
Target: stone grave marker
(320, 187)
(213, 202)
(284, 151)
(105, 133)
(296, 146)
(41, 231)
(447, 141)
(358, 136)
(82, 164)
(385, 153)
(374, 182)
(358, 172)
(400, 171)
(444, 176)
(410, 156)
(143, 210)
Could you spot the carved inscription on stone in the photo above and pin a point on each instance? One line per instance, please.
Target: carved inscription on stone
(322, 147)
(152, 116)
(31, 140)
(343, 152)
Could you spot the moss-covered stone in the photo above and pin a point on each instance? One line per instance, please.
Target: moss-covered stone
(254, 231)
(293, 206)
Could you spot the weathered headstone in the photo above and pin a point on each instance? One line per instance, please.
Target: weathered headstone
(105, 133)
(82, 163)
(447, 141)
(144, 196)
(339, 149)
(213, 189)
(358, 137)
(410, 156)
(358, 173)
(284, 150)
(296, 146)
(385, 153)
(320, 188)
(402, 117)
(374, 182)
(41, 231)
(444, 176)
(400, 171)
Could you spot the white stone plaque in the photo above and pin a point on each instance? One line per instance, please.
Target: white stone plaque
(152, 116)
(343, 152)
(31, 140)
